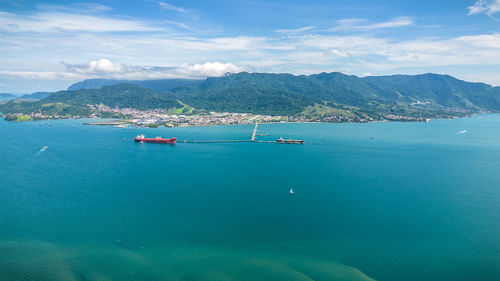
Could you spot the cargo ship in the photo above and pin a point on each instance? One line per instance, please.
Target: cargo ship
(142, 138)
(289, 141)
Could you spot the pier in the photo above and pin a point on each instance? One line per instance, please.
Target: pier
(254, 131)
(214, 141)
(253, 138)
(223, 141)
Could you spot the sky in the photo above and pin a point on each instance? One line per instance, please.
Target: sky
(48, 45)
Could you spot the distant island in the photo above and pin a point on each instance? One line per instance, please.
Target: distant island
(324, 97)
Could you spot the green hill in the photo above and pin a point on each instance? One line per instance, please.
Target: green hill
(319, 96)
(76, 102)
(289, 94)
(275, 94)
(158, 85)
(36, 96)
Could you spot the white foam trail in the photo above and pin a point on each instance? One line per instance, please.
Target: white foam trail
(462, 132)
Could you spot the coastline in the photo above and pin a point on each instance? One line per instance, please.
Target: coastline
(125, 123)
(122, 117)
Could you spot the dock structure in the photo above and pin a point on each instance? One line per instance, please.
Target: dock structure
(212, 141)
(252, 139)
(254, 131)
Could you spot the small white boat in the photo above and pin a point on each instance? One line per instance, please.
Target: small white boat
(291, 191)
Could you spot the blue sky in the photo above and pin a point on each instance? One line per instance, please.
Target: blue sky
(47, 45)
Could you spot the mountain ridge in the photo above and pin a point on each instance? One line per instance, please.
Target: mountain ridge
(158, 85)
(6, 96)
(420, 96)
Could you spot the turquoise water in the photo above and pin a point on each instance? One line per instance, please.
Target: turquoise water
(380, 201)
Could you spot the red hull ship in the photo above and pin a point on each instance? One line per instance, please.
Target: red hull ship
(141, 139)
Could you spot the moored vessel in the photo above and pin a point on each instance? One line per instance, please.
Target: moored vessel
(142, 138)
(289, 141)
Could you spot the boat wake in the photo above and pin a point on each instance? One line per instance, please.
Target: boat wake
(41, 150)
(461, 132)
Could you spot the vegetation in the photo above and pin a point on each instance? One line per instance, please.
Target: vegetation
(184, 110)
(319, 111)
(286, 94)
(160, 85)
(19, 117)
(107, 114)
(121, 96)
(324, 96)
(36, 96)
(75, 103)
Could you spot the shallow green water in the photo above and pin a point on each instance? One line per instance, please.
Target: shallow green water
(383, 201)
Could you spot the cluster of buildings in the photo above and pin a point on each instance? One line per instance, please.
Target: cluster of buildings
(155, 118)
(333, 119)
(33, 116)
(179, 120)
(124, 112)
(222, 118)
(393, 117)
(186, 117)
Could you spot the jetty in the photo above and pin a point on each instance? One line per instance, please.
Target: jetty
(254, 131)
(111, 123)
(253, 138)
(213, 141)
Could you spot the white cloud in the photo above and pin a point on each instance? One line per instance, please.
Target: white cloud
(63, 21)
(76, 8)
(336, 52)
(44, 38)
(294, 53)
(489, 7)
(489, 78)
(397, 22)
(210, 69)
(104, 68)
(43, 75)
(357, 24)
(171, 7)
(350, 21)
(297, 30)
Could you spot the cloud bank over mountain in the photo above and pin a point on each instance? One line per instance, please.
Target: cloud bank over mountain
(194, 40)
(104, 68)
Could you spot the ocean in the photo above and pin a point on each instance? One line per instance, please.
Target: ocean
(379, 201)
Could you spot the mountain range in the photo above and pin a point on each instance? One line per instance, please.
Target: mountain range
(35, 96)
(314, 96)
(5, 96)
(160, 85)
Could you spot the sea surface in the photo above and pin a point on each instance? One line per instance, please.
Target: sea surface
(379, 201)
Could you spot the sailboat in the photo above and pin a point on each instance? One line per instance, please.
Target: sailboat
(291, 191)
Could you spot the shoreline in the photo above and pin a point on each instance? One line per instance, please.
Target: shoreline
(122, 123)
(155, 119)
